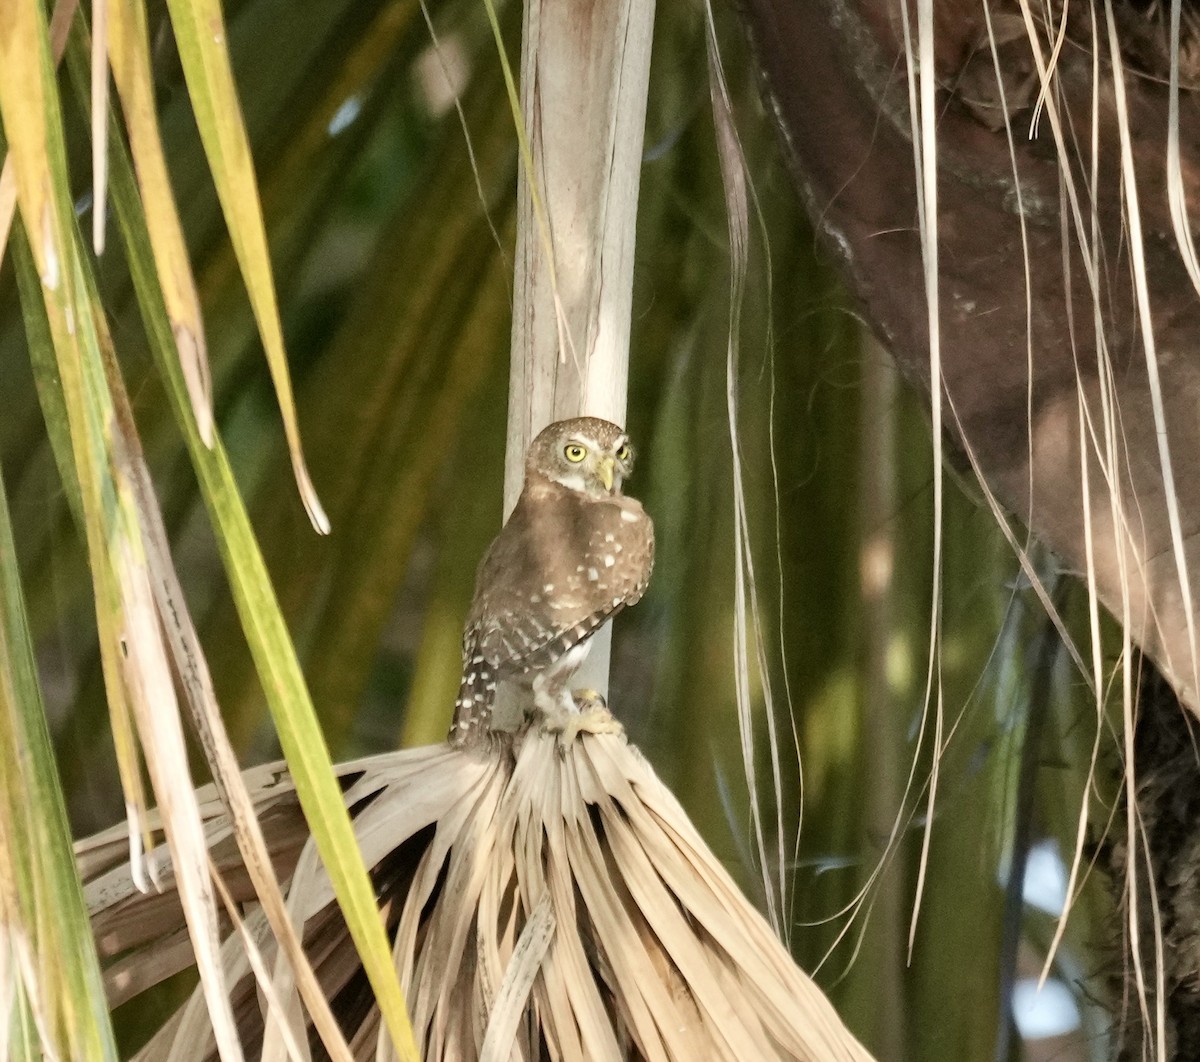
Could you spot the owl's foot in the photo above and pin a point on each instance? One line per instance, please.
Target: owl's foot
(592, 717)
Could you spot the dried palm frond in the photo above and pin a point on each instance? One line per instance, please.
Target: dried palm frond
(542, 902)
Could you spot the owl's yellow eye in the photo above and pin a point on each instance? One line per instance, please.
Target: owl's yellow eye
(574, 453)
(624, 453)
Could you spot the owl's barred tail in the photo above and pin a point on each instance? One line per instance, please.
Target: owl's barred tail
(476, 696)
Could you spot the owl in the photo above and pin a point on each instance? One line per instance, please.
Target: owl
(573, 554)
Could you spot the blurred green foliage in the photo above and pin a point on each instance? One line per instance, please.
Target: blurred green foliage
(393, 263)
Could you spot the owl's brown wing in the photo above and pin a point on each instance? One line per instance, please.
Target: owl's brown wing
(569, 565)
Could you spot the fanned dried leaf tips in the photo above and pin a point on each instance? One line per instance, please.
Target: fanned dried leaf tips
(541, 903)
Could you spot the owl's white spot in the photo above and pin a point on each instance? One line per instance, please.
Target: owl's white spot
(477, 660)
(616, 601)
(491, 686)
(548, 588)
(580, 568)
(535, 599)
(609, 537)
(593, 575)
(471, 678)
(618, 548)
(628, 517)
(478, 698)
(609, 560)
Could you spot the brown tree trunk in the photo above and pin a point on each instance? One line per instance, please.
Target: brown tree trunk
(835, 74)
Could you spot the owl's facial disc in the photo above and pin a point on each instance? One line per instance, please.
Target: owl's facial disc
(592, 467)
(586, 454)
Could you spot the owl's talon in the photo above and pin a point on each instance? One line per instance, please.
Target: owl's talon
(589, 700)
(569, 725)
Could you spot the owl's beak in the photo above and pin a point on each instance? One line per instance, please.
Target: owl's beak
(607, 465)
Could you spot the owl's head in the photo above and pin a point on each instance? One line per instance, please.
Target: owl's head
(585, 454)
